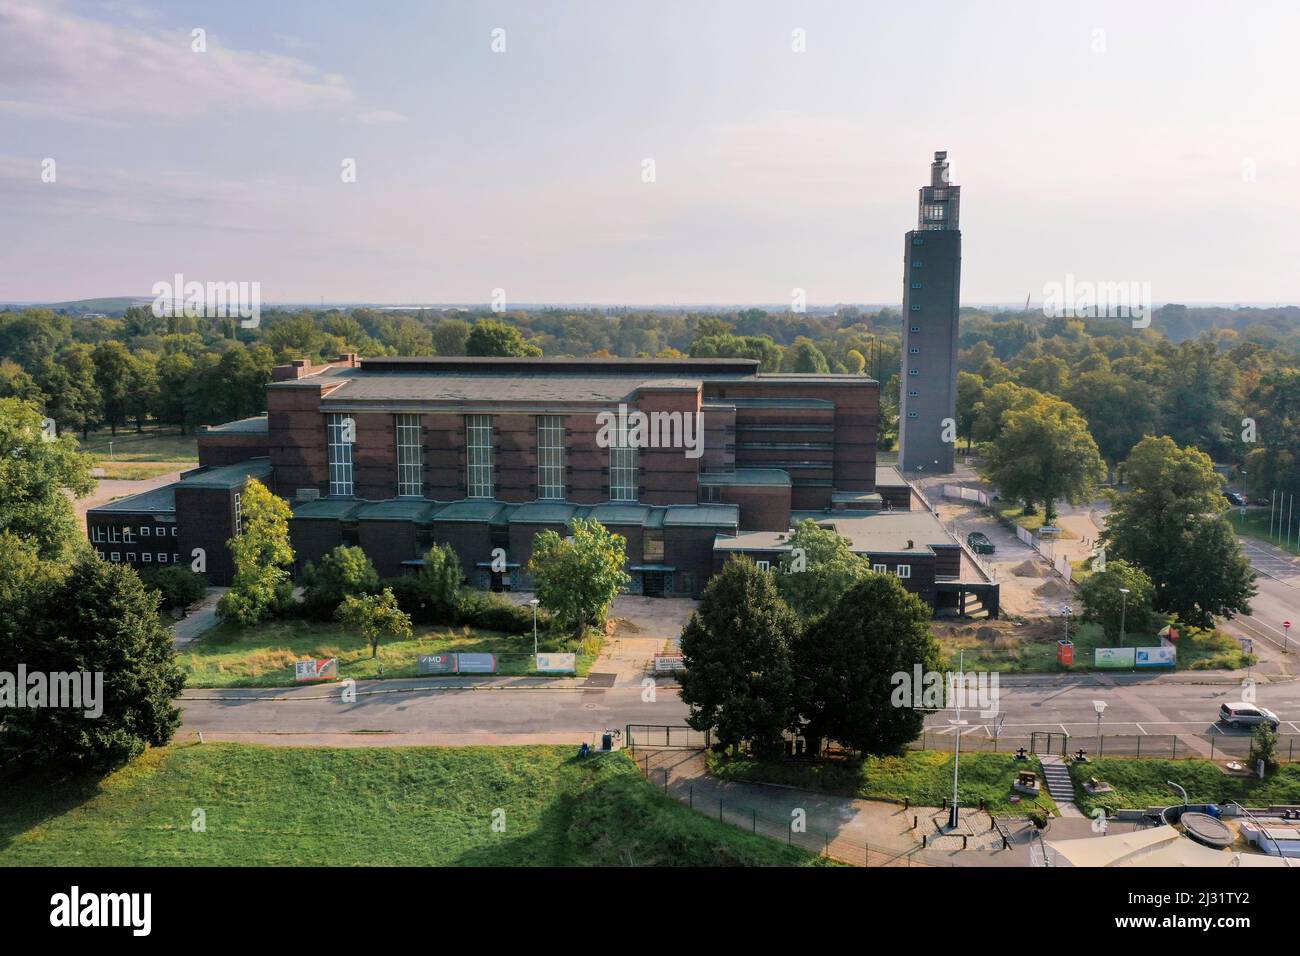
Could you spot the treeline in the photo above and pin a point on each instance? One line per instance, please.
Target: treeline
(1194, 374)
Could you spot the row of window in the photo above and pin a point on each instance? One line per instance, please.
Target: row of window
(340, 436)
(902, 570)
(145, 557)
(125, 534)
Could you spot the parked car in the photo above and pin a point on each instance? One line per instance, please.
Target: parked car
(1235, 498)
(1237, 716)
(979, 543)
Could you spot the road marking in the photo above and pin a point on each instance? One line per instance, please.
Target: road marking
(1063, 730)
(1293, 726)
(1140, 727)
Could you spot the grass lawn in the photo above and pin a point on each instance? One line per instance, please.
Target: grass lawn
(263, 655)
(392, 806)
(922, 776)
(1256, 525)
(1142, 783)
(138, 471)
(1031, 648)
(1014, 514)
(155, 443)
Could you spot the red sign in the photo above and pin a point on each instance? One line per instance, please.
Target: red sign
(1287, 625)
(323, 669)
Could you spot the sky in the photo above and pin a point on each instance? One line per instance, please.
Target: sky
(1153, 142)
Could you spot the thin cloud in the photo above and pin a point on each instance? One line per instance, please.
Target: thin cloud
(62, 65)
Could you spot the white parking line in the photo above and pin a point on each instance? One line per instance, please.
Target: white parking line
(1141, 728)
(1293, 726)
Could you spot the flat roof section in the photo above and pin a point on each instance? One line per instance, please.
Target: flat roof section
(326, 508)
(397, 509)
(543, 512)
(702, 516)
(257, 425)
(477, 510)
(420, 389)
(155, 501)
(227, 476)
(889, 476)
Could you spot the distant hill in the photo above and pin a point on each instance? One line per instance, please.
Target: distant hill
(111, 305)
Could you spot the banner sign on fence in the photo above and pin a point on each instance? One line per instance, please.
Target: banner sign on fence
(667, 663)
(476, 663)
(323, 669)
(437, 663)
(1104, 657)
(1155, 656)
(557, 663)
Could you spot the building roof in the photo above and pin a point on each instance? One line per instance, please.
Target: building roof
(397, 509)
(889, 476)
(228, 477)
(879, 533)
(543, 512)
(155, 501)
(326, 508)
(420, 389)
(257, 425)
(702, 516)
(472, 509)
(746, 476)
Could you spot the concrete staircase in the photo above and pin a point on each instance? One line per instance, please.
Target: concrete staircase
(1057, 777)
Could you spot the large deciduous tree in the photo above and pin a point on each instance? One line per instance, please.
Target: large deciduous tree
(578, 576)
(845, 663)
(262, 556)
(36, 475)
(1171, 525)
(100, 620)
(818, 570)
(1045, 454)
(494, 337)
(376, 616)
(739, 679)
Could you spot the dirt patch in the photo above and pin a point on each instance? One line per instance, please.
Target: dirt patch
(1029, 569)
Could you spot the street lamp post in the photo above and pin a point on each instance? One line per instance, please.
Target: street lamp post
(1123, 606)
(954, 817)
(1067, 611)
(533, 604)
(1099, 706)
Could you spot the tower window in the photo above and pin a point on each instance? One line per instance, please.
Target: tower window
(912, 393)
(623, 471)
(914, 351)
(918, 241)
(913, 371)
(916, 328)
(916, 308)
(916, 285)
(917, 263)
(911, 414)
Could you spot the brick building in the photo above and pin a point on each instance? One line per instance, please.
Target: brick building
(687, 459)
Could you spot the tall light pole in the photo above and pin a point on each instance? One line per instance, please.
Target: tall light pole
(1245, 483)
(533, 604)
(954, 817)
(1067, 611)
(1123, 606)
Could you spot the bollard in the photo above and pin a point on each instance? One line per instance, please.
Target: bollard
(754, 824)
(963, 841)
(924, 838)
(692, 797)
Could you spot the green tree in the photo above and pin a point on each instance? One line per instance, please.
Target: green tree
(36, 477)
(440, 580)
(577, 577)
(73, 398)
(451, 337)
(1104, 604)
(142, 387)
(494, 337)
(113, 378)
(342, 572)
(818, 569)
(1170, 524)
(809, 358)
(970, 392)
(845, 663)
(16, 383)
(992, 407)
(1044, 454)
(1263, 746)
(376, 616)
(739, 679)
(1120, 410)
(99, 620)
(262, 556)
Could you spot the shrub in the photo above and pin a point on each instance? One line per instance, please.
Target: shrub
(412, 600)
(1263, 746)
(179, 586)
(439, 579)
(495, 613)
(345, 571)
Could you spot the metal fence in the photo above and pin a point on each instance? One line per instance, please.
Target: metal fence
(1167, 746)
(658, 765)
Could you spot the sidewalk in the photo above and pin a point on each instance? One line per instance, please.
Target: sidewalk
(201, 619)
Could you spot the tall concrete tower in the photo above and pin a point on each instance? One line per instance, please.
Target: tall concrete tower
(931, 295)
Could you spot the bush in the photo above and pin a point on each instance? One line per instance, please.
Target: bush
(179, 586)
(345, 571)
(411, 598)
(1263, 746)
(495, 613)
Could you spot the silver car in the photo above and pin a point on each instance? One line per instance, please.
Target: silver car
(1237, 716)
